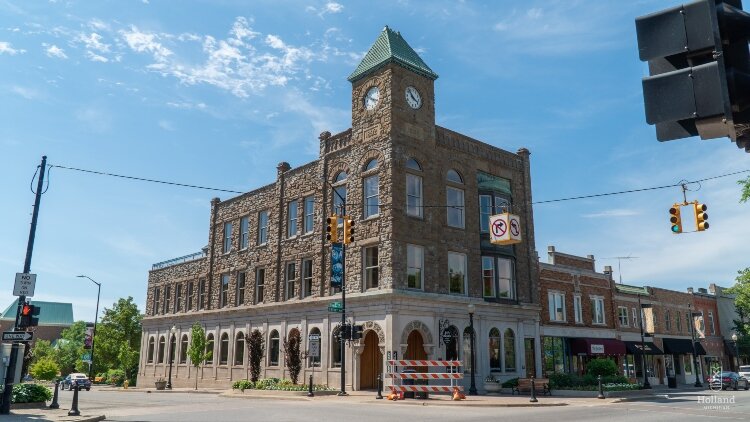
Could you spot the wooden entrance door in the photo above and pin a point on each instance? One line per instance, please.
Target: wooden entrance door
(415, 350)
(370, 362)
(530, 357)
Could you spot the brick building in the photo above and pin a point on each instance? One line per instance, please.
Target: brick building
(421, 196)
(709, 328)
(54, 317)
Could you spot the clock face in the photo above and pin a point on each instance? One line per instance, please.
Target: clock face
(372, 97)
(413, 98)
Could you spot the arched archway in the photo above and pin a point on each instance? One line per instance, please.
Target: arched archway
(370, 362)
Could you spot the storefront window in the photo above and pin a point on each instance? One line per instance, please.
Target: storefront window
(554, 354)
(687, 363)
(494, 349)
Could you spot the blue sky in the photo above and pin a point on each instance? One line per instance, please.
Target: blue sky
(216, 93)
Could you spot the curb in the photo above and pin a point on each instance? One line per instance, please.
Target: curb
(475, 404)
(135, 390)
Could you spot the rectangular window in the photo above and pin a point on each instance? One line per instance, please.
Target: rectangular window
(291, 279)
(371, 267)
(260, 281)
(309, 213)
(485, 210)
(224, 297)
(455, 203)
(307, 277)
(556, 306)
(635, 317)
(227, 237)
(597, 310)
(711, 322)
(577, 309)
(167, 298)
(244, 227)
(667, 321)
(202, 295)
(678, 320)
(178, 298)
(488, 276)
(240, 296)
(505, 281)
(372, 200)
(262, 227)
(622, 316)
(414, 266)
(456, 273)
(190, 294)
(157, 291)
(292, 219)
(413, 195)
(701, 321)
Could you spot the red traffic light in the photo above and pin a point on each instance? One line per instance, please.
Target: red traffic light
(27, 310)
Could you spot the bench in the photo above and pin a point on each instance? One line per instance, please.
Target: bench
(541, 385)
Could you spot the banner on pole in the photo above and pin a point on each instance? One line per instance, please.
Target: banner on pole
(337, 264)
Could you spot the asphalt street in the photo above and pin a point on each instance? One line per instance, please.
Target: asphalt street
(186, 407)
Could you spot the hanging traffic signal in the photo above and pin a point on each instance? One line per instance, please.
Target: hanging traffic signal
(701, 216)
(28, 312)
(675, 219)
(698, 81)
(348, 230)
(332, 229)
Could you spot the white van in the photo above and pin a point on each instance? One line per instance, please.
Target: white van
(744, 371)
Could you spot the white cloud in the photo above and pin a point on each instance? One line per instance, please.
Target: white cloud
(27, 93)
(7, 48)
(146, 42)
(186, 105)
(54, 51)
(330, 7)
(620, 212)
(333, 7)
(167, 125)
(96, 58)
(94, 42)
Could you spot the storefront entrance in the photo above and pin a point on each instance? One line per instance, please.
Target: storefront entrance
(370, 362)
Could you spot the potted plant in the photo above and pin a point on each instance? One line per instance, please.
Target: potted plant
(491, 384)
(160, 383)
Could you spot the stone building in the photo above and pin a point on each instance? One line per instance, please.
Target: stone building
(421, 196)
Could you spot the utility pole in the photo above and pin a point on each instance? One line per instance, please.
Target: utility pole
(11, 372)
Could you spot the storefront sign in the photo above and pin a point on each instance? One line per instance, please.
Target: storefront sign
(597, 349)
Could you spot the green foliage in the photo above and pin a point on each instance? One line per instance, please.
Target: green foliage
(118, 337)
(42, 349)
(293, 355)
(197, 350)
(745, 183)
(255, 351)
(44, 369)
(30, 393)
(275, 384)
(116, 377)
(513, 382)
(243, 385)
(563, 381)
(603, 367)
(69, 347)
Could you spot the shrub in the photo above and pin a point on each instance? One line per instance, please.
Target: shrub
(255, 351)
(603, 367)
(293, 354)
(44, 369)
(243, 385)
(559, 380)
(116, 377)
(30, 393)
(513, 382)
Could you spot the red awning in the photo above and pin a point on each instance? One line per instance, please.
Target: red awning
(597, 346)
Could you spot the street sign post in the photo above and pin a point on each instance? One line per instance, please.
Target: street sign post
(25, 284)
(335, 307)
(17, 336)
(314, 345)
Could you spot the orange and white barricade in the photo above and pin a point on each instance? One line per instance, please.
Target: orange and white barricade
(453, 377)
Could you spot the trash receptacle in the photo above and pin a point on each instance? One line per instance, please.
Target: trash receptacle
(672, 382)
(407, 381)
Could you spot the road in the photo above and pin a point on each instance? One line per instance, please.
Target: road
(187, 407)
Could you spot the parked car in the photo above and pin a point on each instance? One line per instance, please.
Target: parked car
(744, 371)
(76, 378)
(726, 380)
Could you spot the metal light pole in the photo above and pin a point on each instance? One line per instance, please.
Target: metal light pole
(646, 384)
(736, 350)
(172, 340)
(96, 318)
(473, 386)
(695, 353)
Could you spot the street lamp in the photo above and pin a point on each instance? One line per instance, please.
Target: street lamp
(473, 386)
(695, 353)
(736, 350)
(172, 341)
(96, 318)
(646, 384)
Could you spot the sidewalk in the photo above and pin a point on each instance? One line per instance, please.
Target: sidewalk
(48, 414)
(200, 390)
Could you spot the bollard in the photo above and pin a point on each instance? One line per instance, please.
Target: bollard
(74, 407)
(310, 389)
(533, 392)
(601, 390)
(55, 404)
(380, 388)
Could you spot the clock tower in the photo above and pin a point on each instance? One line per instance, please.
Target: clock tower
(393, 93)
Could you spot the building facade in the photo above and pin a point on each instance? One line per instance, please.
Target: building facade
(420, 195)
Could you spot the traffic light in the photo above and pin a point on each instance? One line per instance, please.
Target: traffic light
(348, 230)
(674, 218)
(28, 314)
(357, 332)
(699, 64)
(346, 331)
(700, 217)
(332, 229)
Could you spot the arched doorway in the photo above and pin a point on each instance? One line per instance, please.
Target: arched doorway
(370, 362)
(415, 349)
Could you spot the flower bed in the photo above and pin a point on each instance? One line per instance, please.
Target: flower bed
(277, 385)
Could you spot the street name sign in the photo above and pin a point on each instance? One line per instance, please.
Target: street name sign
(25, 284)
(335, 307)
(17, 336)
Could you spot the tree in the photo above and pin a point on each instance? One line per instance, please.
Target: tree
(741, 290)
(255, 352)
(70, 347)
(197, 349)
(745, 183)
(44, 369)
(118, 337)
(42, 349)
(292, 354)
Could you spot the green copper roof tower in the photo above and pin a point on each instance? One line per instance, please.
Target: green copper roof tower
(390, 47)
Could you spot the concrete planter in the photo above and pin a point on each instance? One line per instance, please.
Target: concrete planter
(492, 387)
(160, 385)
(33, 405)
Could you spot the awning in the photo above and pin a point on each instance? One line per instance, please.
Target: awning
(649, 348)
(681, 346)
(596, 346)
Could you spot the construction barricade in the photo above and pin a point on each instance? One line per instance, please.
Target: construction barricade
(401, 375)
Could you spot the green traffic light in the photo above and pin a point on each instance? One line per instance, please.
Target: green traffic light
(675, 228)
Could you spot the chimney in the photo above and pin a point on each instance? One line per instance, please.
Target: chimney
(608, 271)
(551, 255)
(690, 290)
(702, 290)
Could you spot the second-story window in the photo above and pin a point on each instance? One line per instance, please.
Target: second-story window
(260, 281)
(262, 227)
(244, 232)
(622, 316)
(202, 294)
(556, 306)
(597, 310)
(156, 300)
(190, 294)
(372, 273)
(414, 266)
(240, 296)
(371, 193)
(414, 189)
(667, 321)
(711, 323)
(178, 298)
(227, 237)
(292, 219)
(678, 320)
(577, 309)
(455, 200)
(309, 214)
(488, 276)
(291, 279)
(307, 277)
(224, 297)
(456, 273)
(167, 297)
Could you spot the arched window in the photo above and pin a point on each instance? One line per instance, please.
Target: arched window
(413, 164)
(454, 176)
(224, 349)
(273, 349)
(335, 347)
(510, 350)
(151, 350)
(239, 349)
(495, 349)
(314, 360)
(162, 342)
(210, 348)
(371, 164)
(340, 177)
(183, 348)
(414, 196)
(467, 350)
